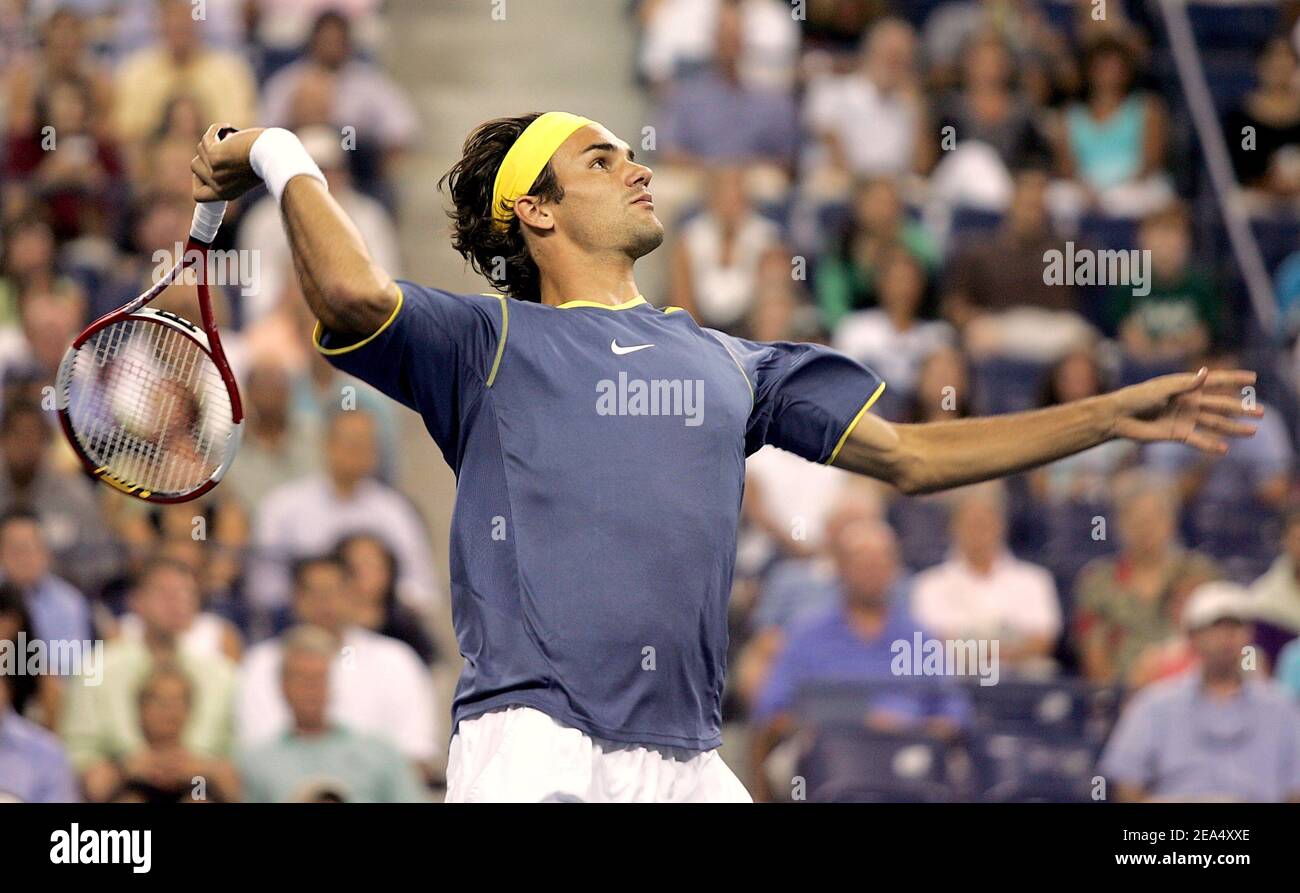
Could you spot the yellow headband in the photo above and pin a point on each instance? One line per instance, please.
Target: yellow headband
(526, 158)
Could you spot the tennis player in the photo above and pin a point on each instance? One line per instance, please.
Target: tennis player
(599, 445)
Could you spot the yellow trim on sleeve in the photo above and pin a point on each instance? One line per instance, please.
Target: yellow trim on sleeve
(635, 302)
(335, 351)
(857, 418)
(672, 309)
(501, 342)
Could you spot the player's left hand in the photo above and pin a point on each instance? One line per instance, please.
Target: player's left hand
(1199, 409)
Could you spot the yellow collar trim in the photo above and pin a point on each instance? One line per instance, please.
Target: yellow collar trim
(635, 302)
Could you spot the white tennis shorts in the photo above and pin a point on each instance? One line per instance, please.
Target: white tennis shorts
(521, 755)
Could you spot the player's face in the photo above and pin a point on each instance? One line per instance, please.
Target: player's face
(606, 203)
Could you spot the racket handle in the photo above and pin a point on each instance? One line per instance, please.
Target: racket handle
(207, 218)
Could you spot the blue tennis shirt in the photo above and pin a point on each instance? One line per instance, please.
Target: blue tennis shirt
(599, 454)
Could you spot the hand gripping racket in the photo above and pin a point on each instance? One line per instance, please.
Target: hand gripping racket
(146, 398)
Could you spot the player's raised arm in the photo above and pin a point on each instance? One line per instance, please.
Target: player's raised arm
(1199, 409)
(346, 291)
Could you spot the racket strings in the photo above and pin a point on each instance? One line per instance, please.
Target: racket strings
(148, 403)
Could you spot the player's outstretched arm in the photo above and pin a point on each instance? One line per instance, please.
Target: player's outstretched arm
(1200, 409)
(345, 289)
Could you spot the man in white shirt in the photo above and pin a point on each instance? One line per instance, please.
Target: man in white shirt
(378, 685)
(984, 592)
(309, 516)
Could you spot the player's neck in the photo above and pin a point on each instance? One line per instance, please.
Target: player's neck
(587, 279)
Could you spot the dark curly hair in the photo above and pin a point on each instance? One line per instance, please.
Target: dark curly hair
(499, 254)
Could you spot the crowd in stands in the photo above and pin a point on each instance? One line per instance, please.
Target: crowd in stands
(886, 178)
(894, 180)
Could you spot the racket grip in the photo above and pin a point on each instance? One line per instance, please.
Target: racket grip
(207, 218)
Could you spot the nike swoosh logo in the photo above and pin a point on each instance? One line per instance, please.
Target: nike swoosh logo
(620, 351)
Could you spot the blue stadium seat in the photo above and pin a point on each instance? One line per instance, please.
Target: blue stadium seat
(849, 763)
(1221, 26)
(1033, 767)
(1068, 543)
(922, 529)
(1006, 385)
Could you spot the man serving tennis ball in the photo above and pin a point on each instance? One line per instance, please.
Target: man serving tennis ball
(599, 445)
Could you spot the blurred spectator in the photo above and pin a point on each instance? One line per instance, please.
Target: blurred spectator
(207, 635)
(52, 312)
(847, 276)
(378, 687)
(891, 339)
(950, 27)
(262, 229)
(28, 247)
(1288, 669)
(36, 696)
(1113, 143)
(361, 96)
(164, 769)
(943, 388)
(1263, 132)
(989, 111)
(69, 168)
(716, 258)
(317, 759)
(788, 501)
(345, 499)
(282, 27)
(1179, 316)
(1084, 477)
(149, 79)
(998, 295)
(33, 766)
(1130, 603)
(58, 611)
(103, 722)
(867, 121)
(984, 592)
(61, 56)
(372, 569)
(66, 503)
(279, 444)
(1275, 597)
(852, 642)
(678, 39)
(713, 117)
(1212, 733)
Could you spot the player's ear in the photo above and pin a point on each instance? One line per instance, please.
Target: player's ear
(533, 212)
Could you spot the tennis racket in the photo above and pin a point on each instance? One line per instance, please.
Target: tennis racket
(146, 398)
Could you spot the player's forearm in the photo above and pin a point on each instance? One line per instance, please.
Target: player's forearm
(346, 291)
(923, 458)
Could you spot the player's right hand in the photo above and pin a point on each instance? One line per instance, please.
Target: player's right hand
(221, 169)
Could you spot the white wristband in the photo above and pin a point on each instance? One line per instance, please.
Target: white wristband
(277, 157)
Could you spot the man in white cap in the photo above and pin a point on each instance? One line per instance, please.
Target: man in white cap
(1213, 733)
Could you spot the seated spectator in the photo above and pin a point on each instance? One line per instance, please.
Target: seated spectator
(28, 258)
(147, 80)
(1127, 604)
(262, 228)
(1083, 478)
(165, 769)
(677, 39)
(372, 567)
(847, 277)
(998, 296)
(381, 687)
(345, 499)
(51, 312)
(943, 388)
(714, 118)
(984, 592)
(990, 111)
(279, 444)
(1212, 733)
(36, 696)
(1179, 316)
(1112, 144)
(1263, 132)
(362, 97)
(891, 338)
(103, 722)
(60, 55)
(852, 642)
(33, 766)
(58, 611)
(716, 258)
(73, 171)
(65, 502)
(866, 122)
(316, 759)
